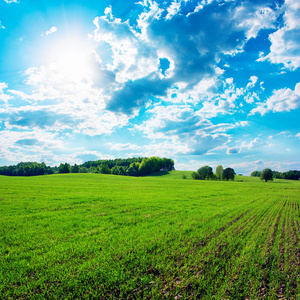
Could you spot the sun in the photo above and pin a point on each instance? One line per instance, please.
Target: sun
(72, 64)
(70, 60)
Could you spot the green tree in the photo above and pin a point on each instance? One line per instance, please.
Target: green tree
(196, 176)
(133, 169)
(115, 170)
(228, 173)
(64, 168)
(266, 175)
(122, 171)
(83, 170)
(104, 169)
(219, 171)
(205, 172)
(75, 169)
(256, 173)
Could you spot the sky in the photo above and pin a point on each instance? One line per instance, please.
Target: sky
(204, 82)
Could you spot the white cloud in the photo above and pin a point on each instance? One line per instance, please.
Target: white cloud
(50, 31)
(298, 135)
(211, 109)
(56, 82)
(11, 1)
(256, 143)
(144, 20)
(254, 18)
(173, 9)
(4, 97)
(252, 81)
(181, 125)
(229, 80)
(1, 26)
(123, 147)
(281, 100)
(132, 58)
(244, 123)
(197, 8)
(42, 147)
(200, 92)
(165, 116)
(212, 102)
(251, 97)
(84, 118)
(41, 142)
(222, 102)
(163, 149)
(286, 40)
(65, 102)
(3, 86)
(219, 71)
(285, 133)
(108, 10)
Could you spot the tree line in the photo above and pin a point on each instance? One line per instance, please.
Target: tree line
(27, 169)
(126, 167)
(292, 174)
(139, 166)
(206, 173)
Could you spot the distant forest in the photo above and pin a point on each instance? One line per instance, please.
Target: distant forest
(139, 166)
(292, 174)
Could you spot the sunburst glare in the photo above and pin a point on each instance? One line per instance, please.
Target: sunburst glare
(70, 59)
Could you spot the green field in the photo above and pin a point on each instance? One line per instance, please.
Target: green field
(105, 237)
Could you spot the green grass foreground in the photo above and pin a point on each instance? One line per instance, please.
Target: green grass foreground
(104, 237)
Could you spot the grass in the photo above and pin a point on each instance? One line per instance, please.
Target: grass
(106, 237)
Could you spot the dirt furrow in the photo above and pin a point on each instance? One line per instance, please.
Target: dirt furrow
(269, 258)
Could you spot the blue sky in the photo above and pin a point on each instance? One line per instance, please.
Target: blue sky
(203, 82)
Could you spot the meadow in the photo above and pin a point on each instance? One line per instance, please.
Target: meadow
(88, 236)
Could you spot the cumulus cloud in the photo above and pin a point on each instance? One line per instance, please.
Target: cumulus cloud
(3, 95)
(3, 86)
(173, 9)
(222, 102)
(253, 145)
(188, 38)
(285, 42)
(298, 135)
(255, 18)
(132, 58)
(38, 144)
(256, 143)
(60, 117)
(62, 99)
(251, 97)
(252, 81)
(281, 100)
(181, 125)
(1, 26)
